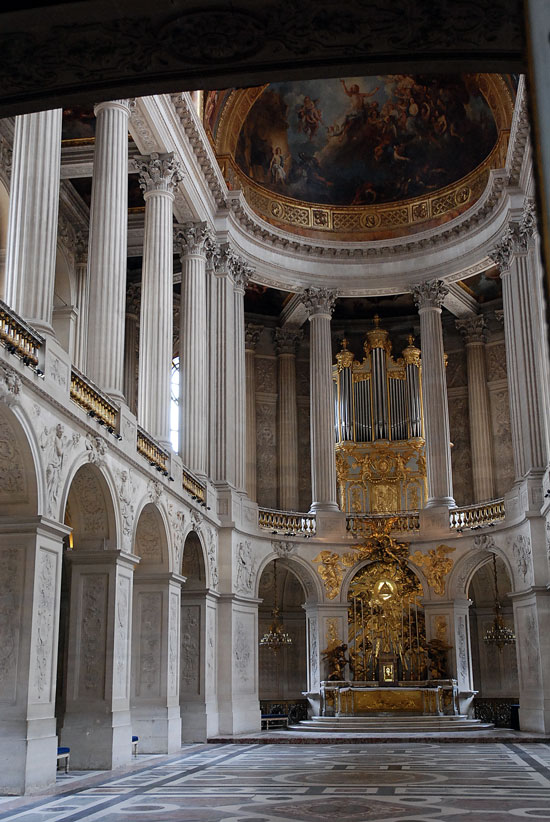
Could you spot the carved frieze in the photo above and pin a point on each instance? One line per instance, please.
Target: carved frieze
(245, 567)
(55, 444)
(190, 649)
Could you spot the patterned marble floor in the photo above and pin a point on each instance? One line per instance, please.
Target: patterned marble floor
(318, 783)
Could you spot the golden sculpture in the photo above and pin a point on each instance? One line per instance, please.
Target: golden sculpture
(436, 565)
(331, 572)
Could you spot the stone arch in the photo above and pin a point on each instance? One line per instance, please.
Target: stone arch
(311, 582)
(90, 510)
(21, 486)
(467, 565)
(351, 572)
(194, 563)
(151, 540)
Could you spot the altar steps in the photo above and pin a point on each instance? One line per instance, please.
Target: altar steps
(390, 725)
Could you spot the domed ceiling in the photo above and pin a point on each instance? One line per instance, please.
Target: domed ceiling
(362, 158)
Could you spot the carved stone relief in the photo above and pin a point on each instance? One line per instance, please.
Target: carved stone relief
(283, 548)
(54, 443)
(173, 641)
(460, 454)
(177, 525)
(154, 491)
(126, 491)
(502, 439)
(211, 649)
(266, 454)
(96, 449)
(212, 553)
(242, 653)
(149, 658)
(314, 651)
(87, 494)
(190, 650)
(41, 687)
(265, 375)
(245, 567)
(13, 482)
(10, 385)
(529, 646)
(462, 650)
(521, 550)
(122, 636)
(11, 592)
(58, 372)
(93, 636)
(148, 543)
(496, 361)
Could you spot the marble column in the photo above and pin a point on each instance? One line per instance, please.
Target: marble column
(108, 248)
(155, 661)
(193, 241)
(252, 335)
(97, 723)
(241, 273)
(82, 283)
(30, 588)
(159, 174)
(525, 339)
(481, 436)
(32, 221)
(131, 345)
(286, 344)
(429, 298)
(319, 303)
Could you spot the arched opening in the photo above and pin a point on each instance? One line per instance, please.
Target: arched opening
(155, 632)
(197, 646)
(494, 669)
(282, 671)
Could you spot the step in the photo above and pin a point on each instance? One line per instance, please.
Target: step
(390, 724)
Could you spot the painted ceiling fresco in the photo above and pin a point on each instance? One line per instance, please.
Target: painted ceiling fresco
(364, 141)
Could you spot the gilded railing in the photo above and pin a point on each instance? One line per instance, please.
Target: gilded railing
(477, 516)
(85, 394)
(152, 451)
(366, 524)
(286, 522)
(18, 337)
(193, 486)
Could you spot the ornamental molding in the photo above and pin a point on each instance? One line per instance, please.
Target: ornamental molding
(430, 294)
(139, 125)
(518, 237)
(192, 238)
(319, 300)
(158, 172)
(473, 329)
(252, 333)
(287, 340)
(6, 154)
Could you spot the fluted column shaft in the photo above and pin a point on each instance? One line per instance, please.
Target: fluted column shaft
(193, 348)
(526, 357)
(319, 304)
(241, 280)
(81, 337)
(158, 176)
(287, 418)
(481, 438)
(108, 248)
(429, 299)
(252, 335)
(33, 212)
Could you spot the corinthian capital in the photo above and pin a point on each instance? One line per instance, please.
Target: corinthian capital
(473, 329)
(527, 226)
(503, 252)
(319, 300)
(252, 335)
(239, 269)
(191, 238)
(430, 294)
(287, 340)
(158, 172)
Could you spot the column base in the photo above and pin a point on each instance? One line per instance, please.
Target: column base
(441, 502)
(98, 741)
(330, 524)
(158, 729)
(28, 752)
(199, 721)
(240, 715)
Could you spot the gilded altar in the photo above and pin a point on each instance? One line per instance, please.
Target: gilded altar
(379, 430)
(424, 698)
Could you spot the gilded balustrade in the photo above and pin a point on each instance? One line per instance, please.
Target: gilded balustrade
(18, 337)
(152, 451)
(365, 525)
(477, 516)
(85, 394)
(192, 485)
(286, 522)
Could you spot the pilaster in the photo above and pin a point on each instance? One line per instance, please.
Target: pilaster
(252, 335)
(286, 344)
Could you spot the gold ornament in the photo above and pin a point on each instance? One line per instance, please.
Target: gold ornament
(331, 572)
(436, 565)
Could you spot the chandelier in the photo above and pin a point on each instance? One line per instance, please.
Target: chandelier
(276, 637)
(498, 633)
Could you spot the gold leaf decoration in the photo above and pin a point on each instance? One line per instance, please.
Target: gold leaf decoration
(436, 565)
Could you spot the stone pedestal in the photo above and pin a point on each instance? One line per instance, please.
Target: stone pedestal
(319, 303)
(159, 174)
(286, 343)
(108, 248)
(429, 298)
(30, 585)
(155, 662)
(198, 666)
(481, 436)
(32, 221)
(97, 725)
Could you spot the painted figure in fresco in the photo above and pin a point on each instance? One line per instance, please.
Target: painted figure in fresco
(277, 167)
(309, 116)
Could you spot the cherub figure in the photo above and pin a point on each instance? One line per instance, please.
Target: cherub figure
(309, 116)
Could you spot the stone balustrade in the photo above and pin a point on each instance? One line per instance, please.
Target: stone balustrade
(286, 522)
(477, 516)
(19, 337)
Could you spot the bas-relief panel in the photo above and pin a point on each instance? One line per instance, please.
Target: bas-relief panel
(93, 629)
(502, 439)
(266, 454)
(265, 371)
(190, 659)
(365, 140)
(12, 567)
(495, 356)
(149, 605)
(456, 371)
(13, 483)
(211, 639)
(244, 652)
(121, 651)
(529, 647)
(460, 453)
(304, 458)
(173, 642)
(42, 683)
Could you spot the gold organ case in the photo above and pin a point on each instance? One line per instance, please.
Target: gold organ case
(380, 459)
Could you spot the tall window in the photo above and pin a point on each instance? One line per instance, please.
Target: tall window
(175, 404)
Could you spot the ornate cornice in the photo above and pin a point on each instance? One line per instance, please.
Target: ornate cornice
(192, 238)
(319, 300)
(517, 238)
(430, 294)
(158, 172)
(287, 340)
(473, 329)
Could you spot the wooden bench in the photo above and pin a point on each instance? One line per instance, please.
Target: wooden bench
(63, 755)
(274, 719)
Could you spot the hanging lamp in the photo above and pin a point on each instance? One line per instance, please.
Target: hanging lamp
(498, 633)
(276, 637)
